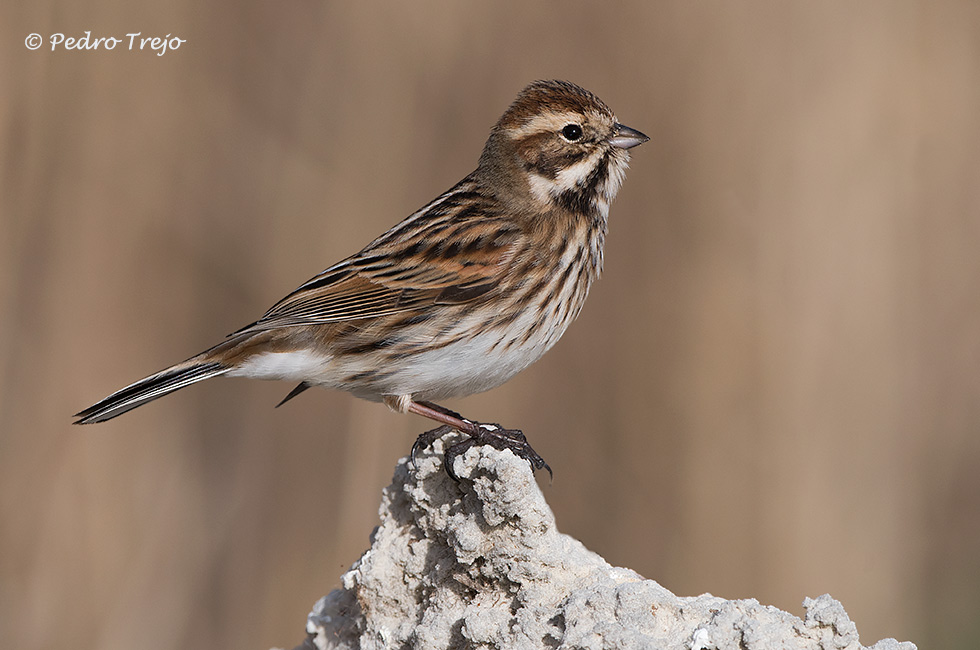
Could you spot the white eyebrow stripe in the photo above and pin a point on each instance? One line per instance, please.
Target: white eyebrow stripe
(545, 123)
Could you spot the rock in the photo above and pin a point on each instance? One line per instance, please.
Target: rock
(480, 564)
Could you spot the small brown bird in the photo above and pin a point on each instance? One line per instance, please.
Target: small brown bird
(459, 297)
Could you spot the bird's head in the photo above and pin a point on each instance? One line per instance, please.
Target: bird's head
(562, 145)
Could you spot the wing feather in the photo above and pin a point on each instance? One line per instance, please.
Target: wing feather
(455, 258)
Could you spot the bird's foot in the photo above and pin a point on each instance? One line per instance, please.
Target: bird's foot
(493, 435)
(425, 440)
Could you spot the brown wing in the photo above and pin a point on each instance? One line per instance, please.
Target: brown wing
(452, 259)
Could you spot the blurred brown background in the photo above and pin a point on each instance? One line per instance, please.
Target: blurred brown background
(774, 391)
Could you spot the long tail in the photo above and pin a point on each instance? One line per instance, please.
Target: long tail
(150, 388)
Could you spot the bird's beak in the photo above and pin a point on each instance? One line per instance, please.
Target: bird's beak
(624, 137)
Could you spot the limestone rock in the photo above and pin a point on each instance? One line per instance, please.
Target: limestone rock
(480, 564)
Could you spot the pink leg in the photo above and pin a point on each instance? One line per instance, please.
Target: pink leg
(444, 416)
(495, 436)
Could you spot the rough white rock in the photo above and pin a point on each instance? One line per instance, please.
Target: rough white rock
(480, 564)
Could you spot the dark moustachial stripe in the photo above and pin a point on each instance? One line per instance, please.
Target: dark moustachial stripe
(580, 199)
(598, 175)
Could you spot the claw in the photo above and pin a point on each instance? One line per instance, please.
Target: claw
(482, 434)
(425, 440)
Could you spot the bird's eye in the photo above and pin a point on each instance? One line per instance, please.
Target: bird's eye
(572, 132)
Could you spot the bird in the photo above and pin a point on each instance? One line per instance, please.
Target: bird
(458, 297)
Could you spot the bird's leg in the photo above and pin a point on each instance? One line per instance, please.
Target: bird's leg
(443, 415)
(479, 434)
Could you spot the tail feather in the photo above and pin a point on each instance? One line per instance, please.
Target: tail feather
(294, 392)
(148, 389)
